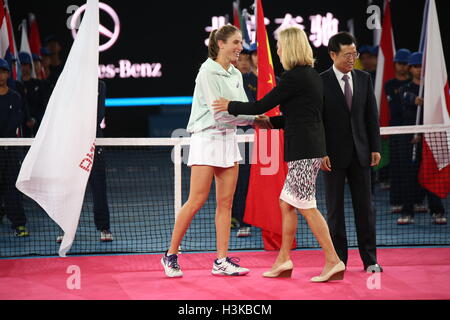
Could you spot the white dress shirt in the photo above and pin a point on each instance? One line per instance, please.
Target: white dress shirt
(340, 75)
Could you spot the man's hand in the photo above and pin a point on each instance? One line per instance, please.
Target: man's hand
(263, 122)
(376, 159)
(419, 101)
(221, 105)
(326, 164)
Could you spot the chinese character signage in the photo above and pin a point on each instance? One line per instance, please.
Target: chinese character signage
(321, 28)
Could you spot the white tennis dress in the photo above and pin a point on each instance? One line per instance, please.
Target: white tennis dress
(216, 148)
(213, 134)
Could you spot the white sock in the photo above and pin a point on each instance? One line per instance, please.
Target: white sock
(219, 261)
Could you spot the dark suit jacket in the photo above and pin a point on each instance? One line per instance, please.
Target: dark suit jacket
(346, 130)
(299, 95)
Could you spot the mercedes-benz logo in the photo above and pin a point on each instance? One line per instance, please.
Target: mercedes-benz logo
(112, 35)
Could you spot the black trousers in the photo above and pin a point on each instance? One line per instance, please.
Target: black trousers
(434, 203)
(359, 180)
(240, 195)
(97, 182)
(10, 198)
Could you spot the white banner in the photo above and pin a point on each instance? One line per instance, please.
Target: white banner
(57, 167)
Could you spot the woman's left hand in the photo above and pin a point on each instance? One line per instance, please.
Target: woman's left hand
(221, 104)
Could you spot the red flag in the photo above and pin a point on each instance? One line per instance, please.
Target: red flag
(434, 172)
(12, 42)
(385, 69)
(269, 170)
(236, 15)
(35, 40)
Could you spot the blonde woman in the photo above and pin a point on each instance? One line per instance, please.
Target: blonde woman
(300, 95)
(214, 151)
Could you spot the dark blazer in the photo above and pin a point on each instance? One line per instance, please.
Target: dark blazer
(347, 130)
(300, 96)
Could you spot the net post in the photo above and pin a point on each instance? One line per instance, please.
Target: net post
(177, 177)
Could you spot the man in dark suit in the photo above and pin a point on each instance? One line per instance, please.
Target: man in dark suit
(352, 132)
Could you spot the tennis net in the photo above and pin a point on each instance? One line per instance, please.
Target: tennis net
(140, 184)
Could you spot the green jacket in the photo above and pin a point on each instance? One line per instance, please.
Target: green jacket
(214, 82)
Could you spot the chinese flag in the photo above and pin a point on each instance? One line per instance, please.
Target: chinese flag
(269, 170)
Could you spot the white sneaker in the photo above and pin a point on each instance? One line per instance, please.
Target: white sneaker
(405, 220)
(171, 267)
(229, 268)
(244, 232)
(420, 208)
(106, 236)
(439, 218)
(60, 238)
(396, 209)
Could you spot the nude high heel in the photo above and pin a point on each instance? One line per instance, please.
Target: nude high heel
(337, 273)
(283, 271)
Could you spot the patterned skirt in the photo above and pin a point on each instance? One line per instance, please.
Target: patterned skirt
(300, 186)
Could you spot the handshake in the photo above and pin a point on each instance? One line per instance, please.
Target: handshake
(263, 122)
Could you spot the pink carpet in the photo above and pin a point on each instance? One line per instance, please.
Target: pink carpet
(418, 273)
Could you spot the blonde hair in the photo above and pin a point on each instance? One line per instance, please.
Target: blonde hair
(223, 34)
(295, 49)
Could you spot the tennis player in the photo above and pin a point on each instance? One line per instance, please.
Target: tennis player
(300, 94)
(214, 151)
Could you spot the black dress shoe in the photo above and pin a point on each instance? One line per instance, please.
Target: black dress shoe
(375, 268)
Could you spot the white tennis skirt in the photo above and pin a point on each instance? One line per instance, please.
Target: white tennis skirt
(300, 186)
(215, 148)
